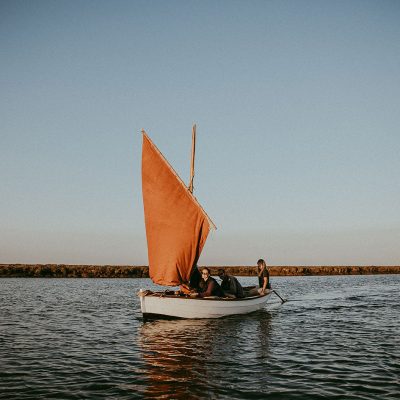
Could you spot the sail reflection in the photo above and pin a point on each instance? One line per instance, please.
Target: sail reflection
(188, 358)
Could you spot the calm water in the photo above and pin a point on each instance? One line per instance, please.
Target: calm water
(337, 338)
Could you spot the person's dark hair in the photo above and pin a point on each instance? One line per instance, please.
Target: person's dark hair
(207, 269)
(221, 272)
(261, 264)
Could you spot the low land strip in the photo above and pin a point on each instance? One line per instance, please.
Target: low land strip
(130, 271)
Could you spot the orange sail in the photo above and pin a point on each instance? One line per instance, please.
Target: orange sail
(176, 225)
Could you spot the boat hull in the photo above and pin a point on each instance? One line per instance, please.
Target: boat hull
(158, 305)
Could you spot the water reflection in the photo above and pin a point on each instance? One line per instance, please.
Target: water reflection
(189, 358)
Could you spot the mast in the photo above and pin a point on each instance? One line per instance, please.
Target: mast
(190, 187)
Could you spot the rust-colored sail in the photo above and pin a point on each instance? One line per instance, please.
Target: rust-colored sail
(176, 225)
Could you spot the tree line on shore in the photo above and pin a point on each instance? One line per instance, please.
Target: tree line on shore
(131, 271)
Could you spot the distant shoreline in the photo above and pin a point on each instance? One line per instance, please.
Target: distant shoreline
(131, 271)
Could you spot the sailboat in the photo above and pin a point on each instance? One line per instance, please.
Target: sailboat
(176, 230)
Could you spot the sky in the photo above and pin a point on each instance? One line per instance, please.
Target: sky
(297, 106)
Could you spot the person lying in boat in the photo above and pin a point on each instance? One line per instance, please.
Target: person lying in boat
(208, 286)
(230, 285)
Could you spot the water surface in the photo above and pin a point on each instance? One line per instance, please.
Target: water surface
(336, 338)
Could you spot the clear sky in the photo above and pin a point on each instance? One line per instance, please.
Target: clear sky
(297, 105)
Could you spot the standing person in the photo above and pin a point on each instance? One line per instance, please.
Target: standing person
(263, 276)
(208, 286)
(230, 285)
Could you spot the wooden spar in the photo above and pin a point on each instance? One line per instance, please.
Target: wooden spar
(192, 159)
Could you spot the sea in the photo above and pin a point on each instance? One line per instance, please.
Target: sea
(336, 337)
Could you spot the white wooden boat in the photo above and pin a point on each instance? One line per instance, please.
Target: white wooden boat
(161, 305)
(176, 229)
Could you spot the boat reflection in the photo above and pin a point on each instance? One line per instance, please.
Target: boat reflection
(186, 358)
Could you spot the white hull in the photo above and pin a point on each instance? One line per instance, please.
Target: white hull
(159, 305)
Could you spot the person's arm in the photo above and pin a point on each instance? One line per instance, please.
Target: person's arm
(265, 283)
(208, 291)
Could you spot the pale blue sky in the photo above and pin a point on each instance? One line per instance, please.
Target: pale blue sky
(298, 111)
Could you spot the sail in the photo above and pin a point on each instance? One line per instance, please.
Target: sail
(176, 225)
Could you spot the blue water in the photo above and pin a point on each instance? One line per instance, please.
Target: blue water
(336, 338)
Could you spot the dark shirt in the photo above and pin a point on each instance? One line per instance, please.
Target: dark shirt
(210, 287)
(231, 285)
(264, 274)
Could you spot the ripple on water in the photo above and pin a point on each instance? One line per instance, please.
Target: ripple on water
(84, 338)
